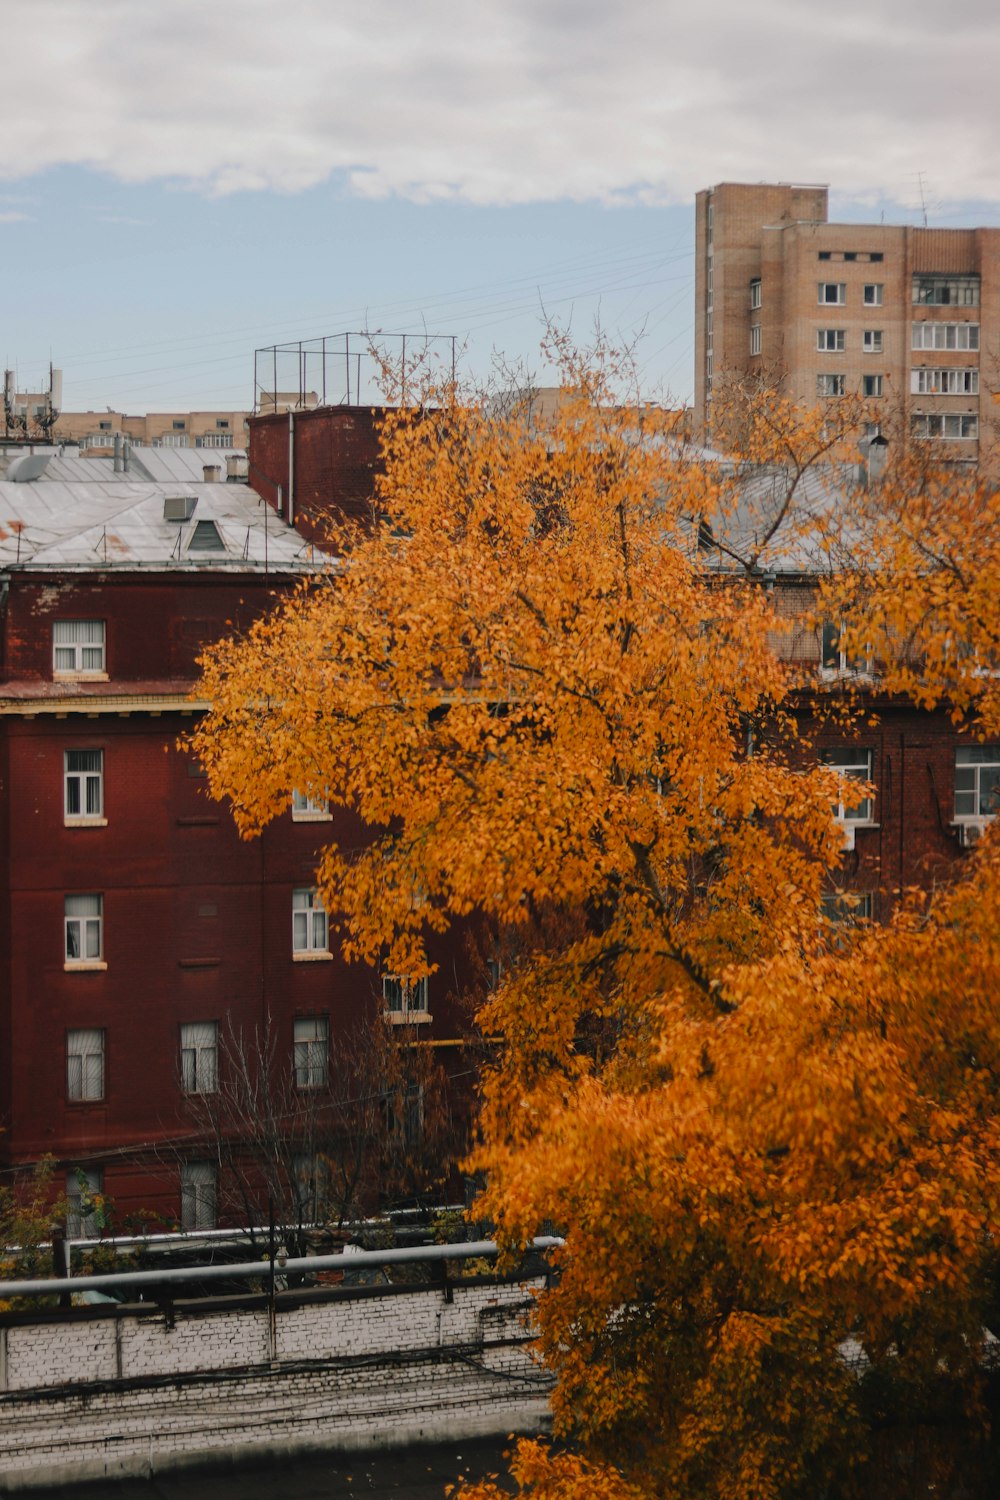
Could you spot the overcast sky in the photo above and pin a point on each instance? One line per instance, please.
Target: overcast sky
(201, 175)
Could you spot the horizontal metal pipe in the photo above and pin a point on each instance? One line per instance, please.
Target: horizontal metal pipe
(356, 1261)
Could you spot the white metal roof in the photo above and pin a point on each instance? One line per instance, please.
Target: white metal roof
(117, 521)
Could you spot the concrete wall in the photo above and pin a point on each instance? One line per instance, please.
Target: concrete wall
(105, 1393)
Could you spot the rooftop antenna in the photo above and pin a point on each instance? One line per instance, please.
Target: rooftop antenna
(923, 200)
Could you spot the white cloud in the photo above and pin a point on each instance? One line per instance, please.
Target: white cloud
(510, 101)
(15, 216)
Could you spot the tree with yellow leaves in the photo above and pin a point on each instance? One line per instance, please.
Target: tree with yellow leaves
(771, 1157)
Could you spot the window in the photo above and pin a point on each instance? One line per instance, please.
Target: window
(834, 658)
(946, 291)
(84, 786)
(311, 1051)
(104, 426)
(222, 424)
(833, 293)
(494, 972)
(955, 382)
(755, 339)
(405, 1114)
(871, 385)
(831, 385)
(945, 425)
(846, 908)
(873, 294)
(944, 335)
(877, 255)
(852, 765)
(78, 647)
(83, 1185)
(198, 1195)
(830, 340)
(310, 926)
(825, 255)
(200, 1057)
(216, 440)
(206, 538)
(977, 781)
(178, 426)
(871, 341)
(755, 294)
(83, 920)
(311, 1186)
(306, 809)
(84, 1065)
(404, 998)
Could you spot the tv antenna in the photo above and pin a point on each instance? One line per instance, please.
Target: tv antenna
(923, 200)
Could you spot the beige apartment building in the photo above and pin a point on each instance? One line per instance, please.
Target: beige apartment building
(906, 317)
(194, 429)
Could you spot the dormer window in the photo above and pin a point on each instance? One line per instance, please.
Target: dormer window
(206, 538)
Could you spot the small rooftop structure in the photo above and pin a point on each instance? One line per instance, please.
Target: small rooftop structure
(349, 369)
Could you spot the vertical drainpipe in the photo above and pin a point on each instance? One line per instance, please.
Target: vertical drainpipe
(118, 453)
(290, 517)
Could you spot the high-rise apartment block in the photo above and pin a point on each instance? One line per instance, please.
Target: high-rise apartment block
(906, 317)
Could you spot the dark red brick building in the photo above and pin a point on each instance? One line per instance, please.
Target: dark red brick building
(134, 923)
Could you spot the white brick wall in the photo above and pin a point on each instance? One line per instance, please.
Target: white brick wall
(348, 1371)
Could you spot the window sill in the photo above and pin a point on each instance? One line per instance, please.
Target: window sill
(80, 677)
(84, 965)
(309, 957)
(312, 817)
(73, 822)
(408, 1017)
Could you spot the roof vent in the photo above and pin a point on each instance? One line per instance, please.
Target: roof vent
(27, 466)
(211, 473)
(179, 507)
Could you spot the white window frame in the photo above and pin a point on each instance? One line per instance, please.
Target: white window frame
(199, 1195)
(311, 1051)
(83, 931)
(972, 760)
(83, 785)
(79, 648)
(871, 386)
(831, 340)
(946, 291)
(85, 1051)
(309, 809)
(81, 1226)
(310, 926)
(199, 1057)
(405, 1000)
(846, 908)
(829, 387)
(755, 338)
(959, 380)
(755, 294)
(852, 764)
(946, 427)
(844, 665)
(839, 290)
(873, 294)
(871, 341)
(934, 335)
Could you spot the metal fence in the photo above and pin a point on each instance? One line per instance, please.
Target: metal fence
(350, 369)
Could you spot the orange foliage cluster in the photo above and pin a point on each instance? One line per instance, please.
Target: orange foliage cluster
(773, 1158)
